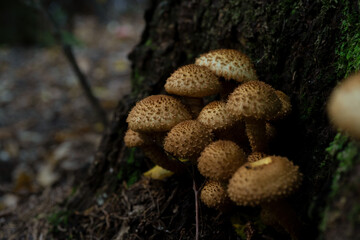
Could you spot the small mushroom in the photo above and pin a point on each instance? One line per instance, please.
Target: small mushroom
(187, 139)
(214, 195)
(220, 160)
(157, 113)
(155, 153)
(216, 117)
(344, 105)
(136, 139)
(193, 82)
(255, 102)
(229, 64)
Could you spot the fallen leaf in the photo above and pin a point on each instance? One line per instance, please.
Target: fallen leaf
(158, 173)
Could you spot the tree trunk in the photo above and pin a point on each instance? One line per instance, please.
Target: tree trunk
(299, 47)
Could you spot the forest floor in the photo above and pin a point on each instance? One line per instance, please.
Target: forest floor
(48, 131)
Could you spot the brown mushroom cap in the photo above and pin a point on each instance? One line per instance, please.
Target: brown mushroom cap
(265, 180)
(213, 194)
(157, 113)
(285, 105)
(135, 139)
(220, 160)
(187, 139)
(215, 116)
(228, 63)
(254, 99)
(344, 105)
(193, 81)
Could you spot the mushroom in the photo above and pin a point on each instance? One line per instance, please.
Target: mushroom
(187, 139)
(255, 102)
(216, 117)
(220, 159)
(228, 63)
(157, 113)
(152, 151)
(344, 104)
(214, 195)
(193, 83)
(265, 182)
(136, 139)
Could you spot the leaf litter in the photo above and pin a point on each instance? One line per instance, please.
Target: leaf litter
(48, 132)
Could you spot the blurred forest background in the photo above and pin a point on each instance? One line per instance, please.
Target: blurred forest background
(48, 130)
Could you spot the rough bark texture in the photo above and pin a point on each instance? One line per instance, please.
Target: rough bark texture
(301, 48)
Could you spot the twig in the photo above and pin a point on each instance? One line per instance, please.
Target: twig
(68, 52)
(196, 193)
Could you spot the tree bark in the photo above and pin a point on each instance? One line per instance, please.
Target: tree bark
(295, 48)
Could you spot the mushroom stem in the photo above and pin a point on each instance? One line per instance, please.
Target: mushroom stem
(195, 105)
(281, 213)
(235, 133)
(256, 132)
(157, 155)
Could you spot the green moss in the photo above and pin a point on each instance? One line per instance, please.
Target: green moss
(58, 218)
(130, 172)
(344, 152)
(348, 47)
(136, 81)
(354, 216)
(346, 160)
(150, 44)
(337, 145)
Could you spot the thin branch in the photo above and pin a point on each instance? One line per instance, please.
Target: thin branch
(68, 52)
(196, 193)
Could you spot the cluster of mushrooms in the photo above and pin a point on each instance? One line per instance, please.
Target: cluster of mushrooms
(227, 139)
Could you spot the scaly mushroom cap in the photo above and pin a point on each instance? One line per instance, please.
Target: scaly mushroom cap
(135, 139)
(220, 160)
(285, 105)
(214, 194)
(215, 116)
(157, 113)
(344, 105)
(265, 180)
(228, 63)
(256, 156)
(187, 139)
(254, 99)
(193, 81)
